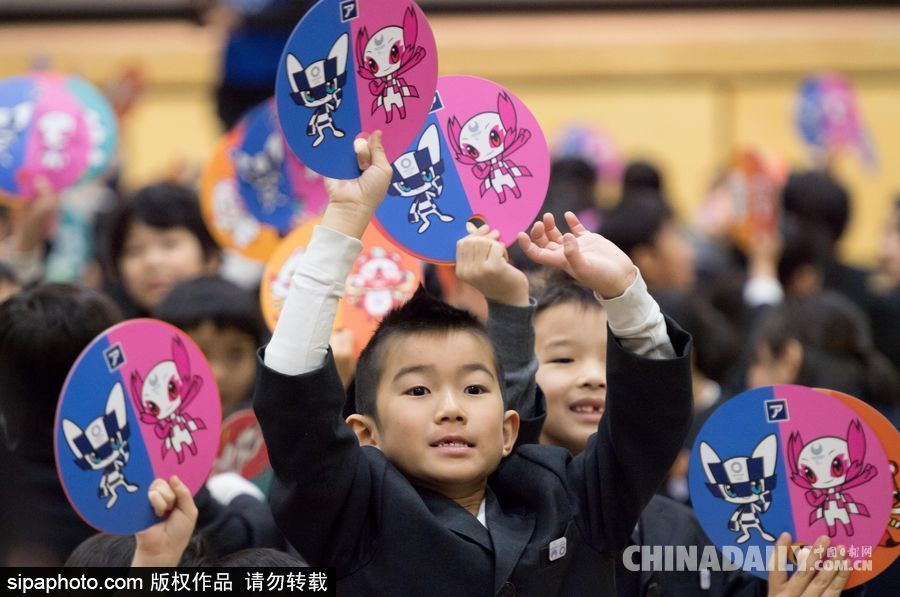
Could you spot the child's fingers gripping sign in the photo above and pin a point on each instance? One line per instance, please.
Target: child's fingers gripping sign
(818, 573)
(353, 202)
(483, 262)
(163, 543)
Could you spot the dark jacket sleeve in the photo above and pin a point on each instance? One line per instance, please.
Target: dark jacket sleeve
(321, 492)
(511, 330)
(648, 412)
(244, 523)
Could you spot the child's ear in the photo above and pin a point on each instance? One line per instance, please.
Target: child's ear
(510, 431)
(365, 429)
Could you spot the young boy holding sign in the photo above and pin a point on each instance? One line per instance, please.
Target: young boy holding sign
(437, 498)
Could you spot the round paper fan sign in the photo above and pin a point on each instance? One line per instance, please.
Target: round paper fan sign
(480, 155)
(382, 278)
(254, 191)
(242, 449)
(139, 403)
(885, 553)
(52, 126)
(790, 459)
(353, 66)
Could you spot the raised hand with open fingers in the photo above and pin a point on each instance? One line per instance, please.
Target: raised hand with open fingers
(588, 257)
(483, 263)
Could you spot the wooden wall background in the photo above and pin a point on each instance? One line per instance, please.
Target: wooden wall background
(680, 88)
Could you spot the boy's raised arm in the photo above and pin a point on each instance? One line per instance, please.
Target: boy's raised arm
(322, 484)
(648, 403)
(482, 262)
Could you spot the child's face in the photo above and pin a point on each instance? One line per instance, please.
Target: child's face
(232, 357)
(441, 418)
(570, 341)
(154, 260)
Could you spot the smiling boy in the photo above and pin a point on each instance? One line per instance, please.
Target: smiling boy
(425, 491)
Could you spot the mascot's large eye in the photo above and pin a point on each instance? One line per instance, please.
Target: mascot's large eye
(116, 444)
(395, 53)
(729, 491)
(371, 65)
(308, 97)
(427, 176)
(173, 389)
(94, 458)
(756, 487)
(809, 475)
(495, 137)
(471, 151)
(837, 466)
(329, 87)
(152, 408)
(405, 187)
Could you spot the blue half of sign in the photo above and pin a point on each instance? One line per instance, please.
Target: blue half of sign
(17, 103)
(261, 169)
(733, 432)
(102, 462)
(320, 121)
(426, 209)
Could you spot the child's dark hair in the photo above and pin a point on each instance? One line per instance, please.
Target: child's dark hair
(559, 288)
(215, 300)
(818, 199)
(421, 314)
(163, 205)
(105, 550)
(635, 222)
(260, 557)
(837, 348)
(804, 245)
(42, 332)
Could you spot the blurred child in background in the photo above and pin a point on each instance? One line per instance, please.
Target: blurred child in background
(226, 323)
(154, 241)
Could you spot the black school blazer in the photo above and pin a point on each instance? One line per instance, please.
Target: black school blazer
(347, 506)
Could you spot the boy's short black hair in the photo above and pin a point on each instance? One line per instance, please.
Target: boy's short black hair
(421, 314)
(42, 332)
(635, 222)
(559, 288)
(162, 205)
(215, 300)
(105, 550)
(260, 557)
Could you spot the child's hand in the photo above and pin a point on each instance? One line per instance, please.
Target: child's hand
(34, 217)
(163, 544)
(352, 203)
(829, 581)
(595, 262)
(482, 262)
(342, 348)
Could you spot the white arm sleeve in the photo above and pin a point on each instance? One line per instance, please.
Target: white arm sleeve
(300, 341)
(635, 319)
